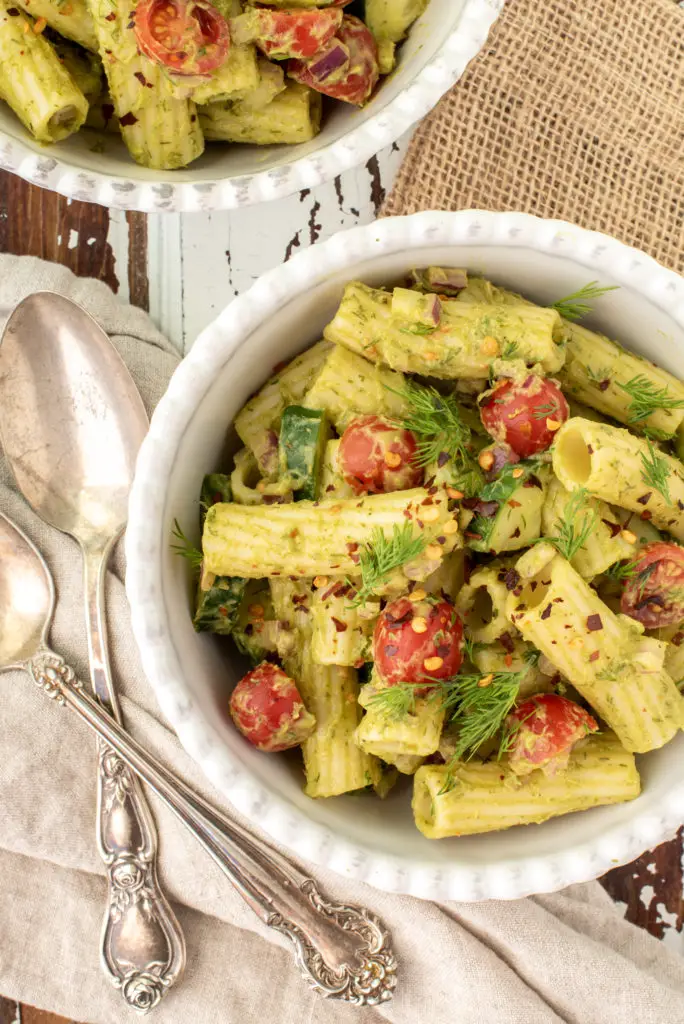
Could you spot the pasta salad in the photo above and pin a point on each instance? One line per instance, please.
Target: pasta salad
(169, 74)
(451, 547)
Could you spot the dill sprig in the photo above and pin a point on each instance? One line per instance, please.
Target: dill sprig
(382, 556)
(655, 472)
(550, 409)
(436, 422)
(647, 398)
(620, 572)
(510, 349)
(579, 304)
(185, 548)
(480, 705)
(398, 700)
(574, 528)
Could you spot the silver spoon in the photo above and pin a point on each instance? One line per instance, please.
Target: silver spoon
(342, 951)
(72, 422)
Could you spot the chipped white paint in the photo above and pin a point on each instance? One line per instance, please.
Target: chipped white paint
(117, 238)
(73, 239)
(198, 262)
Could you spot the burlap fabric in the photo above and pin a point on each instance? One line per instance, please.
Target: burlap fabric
(574, 109)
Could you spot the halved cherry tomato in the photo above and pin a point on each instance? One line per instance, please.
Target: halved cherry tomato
(377, 456)
(268, 710)
(292, 33)
(416, 640)
(654, 595)
(526, 415)
(354, 80)
(543, 731)
(190, 37)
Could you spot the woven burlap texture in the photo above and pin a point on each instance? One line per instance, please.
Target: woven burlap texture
(574, 109)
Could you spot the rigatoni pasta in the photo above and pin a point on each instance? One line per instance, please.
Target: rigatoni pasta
(473, 581)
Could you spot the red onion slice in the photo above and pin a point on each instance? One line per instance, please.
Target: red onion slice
(444, 280)
(333, 59)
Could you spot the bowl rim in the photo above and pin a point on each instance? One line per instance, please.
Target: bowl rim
(505, 879)
(165, 195)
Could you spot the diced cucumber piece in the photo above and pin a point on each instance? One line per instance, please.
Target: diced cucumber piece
(218, 604)
(304, 434)
(215, 487)
(416, 307)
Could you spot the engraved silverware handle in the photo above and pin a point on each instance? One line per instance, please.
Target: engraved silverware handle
(142, 947)
(342, 951)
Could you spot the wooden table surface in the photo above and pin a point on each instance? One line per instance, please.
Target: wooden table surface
(183, 270)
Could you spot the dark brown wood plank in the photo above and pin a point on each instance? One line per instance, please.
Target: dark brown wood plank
(660, 870)
(8, 1011)
(34, 222)
(138, 282)
(29, 1015)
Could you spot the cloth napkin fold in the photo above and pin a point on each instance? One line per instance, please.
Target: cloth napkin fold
(567, 957)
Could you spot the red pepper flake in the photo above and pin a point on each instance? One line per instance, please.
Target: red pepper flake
(110, 17)
(511, 579)
(643, 500)
(443, 650)
(391, 650)
(680, 504)
(13, 12)
(513, 503)
(547, 611)
(352, 545)
(422, 525)
(432, 490)
(141, 78)
(406, 513)
(556, 600)
(473, 536)
(677, 639)
(533, 586)
(508, 660)
(428, 484)
(594, 622)
(614, 528)
(646, 514)
(516, 532)
(340, 626)
(594, 656)
(126, 121)
(604, 385)
(507, 642)
(427, 501)
(533, 481)
(590, 450)
(442, 459)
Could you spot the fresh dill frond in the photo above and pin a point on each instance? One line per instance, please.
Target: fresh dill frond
(647, 398)
(436, 422)
(418, 329)
(655, 472)
(382, 556)
(184, 548)
(509, 350)
(470, 647)
(395, 701)
(620, 572)
(579, 304)
(574, 527)
(509, 734)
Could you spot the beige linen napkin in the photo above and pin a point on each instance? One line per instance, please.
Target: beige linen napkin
(568, 957)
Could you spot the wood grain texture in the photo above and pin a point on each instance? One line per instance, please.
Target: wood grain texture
(652, 888)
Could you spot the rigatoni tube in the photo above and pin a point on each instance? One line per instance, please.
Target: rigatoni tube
(465, 340)
(616, 669)
(475, 797)
(596, 370)
(34, 82)
(612, 465)
(413, 734)
(293, 116)
(308, 538)
(72, 19)
(605, 543)
(160, 129)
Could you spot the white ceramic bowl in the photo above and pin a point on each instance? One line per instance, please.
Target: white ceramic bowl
(435, 55)
(281, 314)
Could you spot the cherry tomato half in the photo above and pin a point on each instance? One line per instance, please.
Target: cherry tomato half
(377, 456)
(418, 640)
(526, 415)
(654, 595)
(355, 79)
(268, 710)
(190, 37)
(296, 33)
(543, 731)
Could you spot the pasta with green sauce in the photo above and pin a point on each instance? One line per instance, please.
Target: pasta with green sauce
(478, 586)
(174, 74)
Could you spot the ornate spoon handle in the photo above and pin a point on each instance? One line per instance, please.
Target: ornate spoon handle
(342, 951)
(142, 947)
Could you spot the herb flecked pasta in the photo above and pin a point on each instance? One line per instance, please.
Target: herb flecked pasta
(477, 585)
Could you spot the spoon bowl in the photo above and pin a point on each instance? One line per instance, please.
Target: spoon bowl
(27, 597)
(74, 455)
